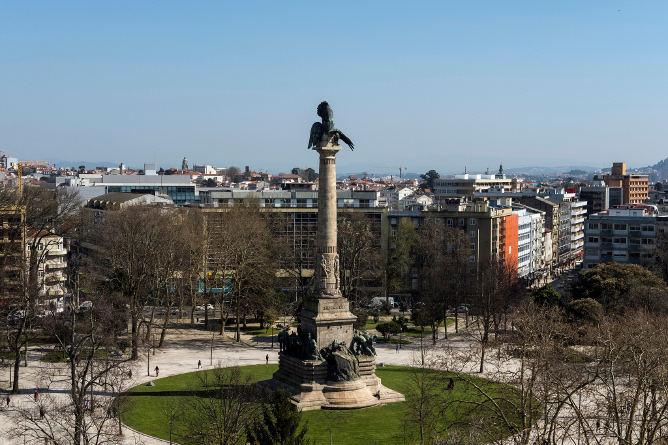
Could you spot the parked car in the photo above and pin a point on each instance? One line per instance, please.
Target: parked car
(463, 309)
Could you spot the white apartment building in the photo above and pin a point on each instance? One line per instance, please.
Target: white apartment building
(52, 263)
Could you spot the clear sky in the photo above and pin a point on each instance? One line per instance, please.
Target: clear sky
(442, 84)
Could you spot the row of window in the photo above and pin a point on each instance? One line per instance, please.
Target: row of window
(636, 241)
(621, 226)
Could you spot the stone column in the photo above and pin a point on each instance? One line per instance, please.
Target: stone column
(327, 258)
(327, 315)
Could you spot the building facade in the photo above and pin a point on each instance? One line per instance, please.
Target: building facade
(625, 235)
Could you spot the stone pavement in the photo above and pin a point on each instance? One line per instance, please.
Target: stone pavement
(183, 348)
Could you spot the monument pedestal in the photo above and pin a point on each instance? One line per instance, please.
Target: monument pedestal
(327, 319)
(307, 382)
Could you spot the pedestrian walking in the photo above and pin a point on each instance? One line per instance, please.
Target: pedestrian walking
(130, 374)
(267, 357)
(8, 400)
(199, 364)
(397, 349)
(157, 370)
(36, 395)
(598, 425)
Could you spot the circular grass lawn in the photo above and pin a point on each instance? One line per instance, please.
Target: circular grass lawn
(386, 424)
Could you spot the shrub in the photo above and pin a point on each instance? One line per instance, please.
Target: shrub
(388, 328)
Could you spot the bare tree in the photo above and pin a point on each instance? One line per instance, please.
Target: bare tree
(126, 243)
(47, 215)
(225, 404)
(359, 254)
(240, 250)
(93, 375)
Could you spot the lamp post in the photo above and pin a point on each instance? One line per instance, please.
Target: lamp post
(272, 336)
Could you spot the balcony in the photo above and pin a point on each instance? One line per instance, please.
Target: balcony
(577, 221)
(577, 236)
(607, 232)
(606, 245)
(635, 233)
(635, 247)
(606, 258)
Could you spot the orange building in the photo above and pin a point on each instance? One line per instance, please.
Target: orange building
(508, 240)
(635, 188)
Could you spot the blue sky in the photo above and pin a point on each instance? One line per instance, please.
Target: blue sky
(440, 84)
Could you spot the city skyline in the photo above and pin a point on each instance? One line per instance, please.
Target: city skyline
(428, 85)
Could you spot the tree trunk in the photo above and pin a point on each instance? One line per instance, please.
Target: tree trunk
(238, 315)
(17, 367)
(134, 337)
(163, 331)
(149, 328)
(482, 356)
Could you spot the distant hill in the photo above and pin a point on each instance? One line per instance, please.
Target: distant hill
(661, 165)
(549, 170)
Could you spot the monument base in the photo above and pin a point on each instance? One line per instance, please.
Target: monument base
(327, 319)
(307, 382)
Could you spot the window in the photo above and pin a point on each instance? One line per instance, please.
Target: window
(620, 227)
(619, 240)
(593, 226)
(460, 222)
(472, 246)
(472, 259)
(592, 239)
(472, 221)
(647, 228)
(605, 226)
(472, 234)
(450, 223)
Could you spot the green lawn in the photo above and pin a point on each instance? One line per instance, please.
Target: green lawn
(381, 425)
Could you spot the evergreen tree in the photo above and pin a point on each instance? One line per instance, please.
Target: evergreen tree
(278, 423)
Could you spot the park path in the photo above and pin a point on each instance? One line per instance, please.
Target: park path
(180, 354)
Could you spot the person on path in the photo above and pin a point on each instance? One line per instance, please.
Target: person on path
(157, 370)
(36, 395)
(267, 358)
(397, 349)
(8, 400)
(199, 364)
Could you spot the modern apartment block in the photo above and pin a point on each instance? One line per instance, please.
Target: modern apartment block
(597, 197)
(624, 235)
(472, 185)
(635, 188)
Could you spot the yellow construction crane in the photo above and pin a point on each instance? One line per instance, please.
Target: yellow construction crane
(19, 171)
(401, 169)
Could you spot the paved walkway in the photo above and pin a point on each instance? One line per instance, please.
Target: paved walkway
(183, 348)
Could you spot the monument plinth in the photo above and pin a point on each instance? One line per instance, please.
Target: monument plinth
(326, 364)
